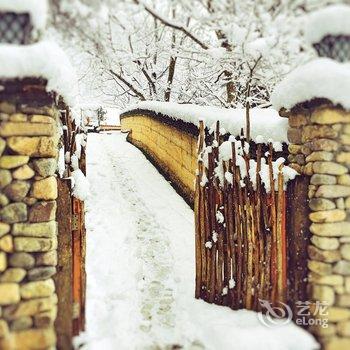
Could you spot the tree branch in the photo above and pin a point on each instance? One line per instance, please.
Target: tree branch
(172, 25)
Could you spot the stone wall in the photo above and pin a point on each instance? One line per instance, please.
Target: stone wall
(171, 146)
(28, 231)
(320, 148)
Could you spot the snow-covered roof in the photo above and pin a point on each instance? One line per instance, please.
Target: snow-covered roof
(320, 78)
(43, 60)
(332, 20)
(37, 9)
(264, 121)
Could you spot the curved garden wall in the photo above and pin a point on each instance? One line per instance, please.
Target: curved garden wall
(170, 144)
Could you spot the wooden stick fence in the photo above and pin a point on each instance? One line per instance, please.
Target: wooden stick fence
(240, 224)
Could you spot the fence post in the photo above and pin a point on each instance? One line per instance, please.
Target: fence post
(320, 139)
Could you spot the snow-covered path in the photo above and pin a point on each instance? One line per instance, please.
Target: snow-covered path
(140, 266)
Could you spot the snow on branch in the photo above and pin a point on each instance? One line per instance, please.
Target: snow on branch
(264, 121)
(332, 20)
(42, 60)
(321, 78)
(37, 10)
(173, 25)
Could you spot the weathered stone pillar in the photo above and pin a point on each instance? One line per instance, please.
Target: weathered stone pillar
(320, 147)
(28, 231)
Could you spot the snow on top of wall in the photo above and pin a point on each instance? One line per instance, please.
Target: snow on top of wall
(43, 60)
(37, 9)
(321, 78)
(264, 121)
(332, 20)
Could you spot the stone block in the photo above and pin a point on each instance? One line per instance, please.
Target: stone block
(340, 203)
(3, 200)
(41, 273)
(34, 146)
(6, 244)
(328, 216)
(29, 307)
(5, 178)
(43, 211)
(12, 162)
(17, 190)
(333, 191)
(4, 330)
(298, 120)
(41, 229)
(43, 338)
(38, 289)
(345, 139)
(7, 107)
(13, 275)
(336, 314)
(46, 189)
(343, 300)
(31, 244)
(343, 328)
(18, 117)
(294, 135)
(345, 251)
(331, 168)
(320, 156)
(335, 229)
(343, 157)
(21, 323)
(320, 268)
(330, 280)
(45, 167)
(323, 145)
(328, 256)
(46, 259)
(320, 204)
(322, 179)
(2, 146)
(22, 260)
(13, 213)
(342, 267)
(337, 344)
(323, 293)
(4, 229)
(45, 319)
(294, 149)
(23, 173)
(329, 116)
(311, 132)
(347, 203)
(325, 243)
(38, 118)
(26, 129)
(9, 293)
(3, 261)
(344, 179)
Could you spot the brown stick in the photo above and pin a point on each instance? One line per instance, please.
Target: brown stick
(273, 229)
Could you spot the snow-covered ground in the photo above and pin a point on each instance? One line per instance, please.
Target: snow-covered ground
(140, 266)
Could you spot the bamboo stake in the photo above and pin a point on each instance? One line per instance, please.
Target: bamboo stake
(237, 213)
(261, 242)
(198, 217)
(273, 229)
(280, 238)
(212, 215)
(249, 233)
